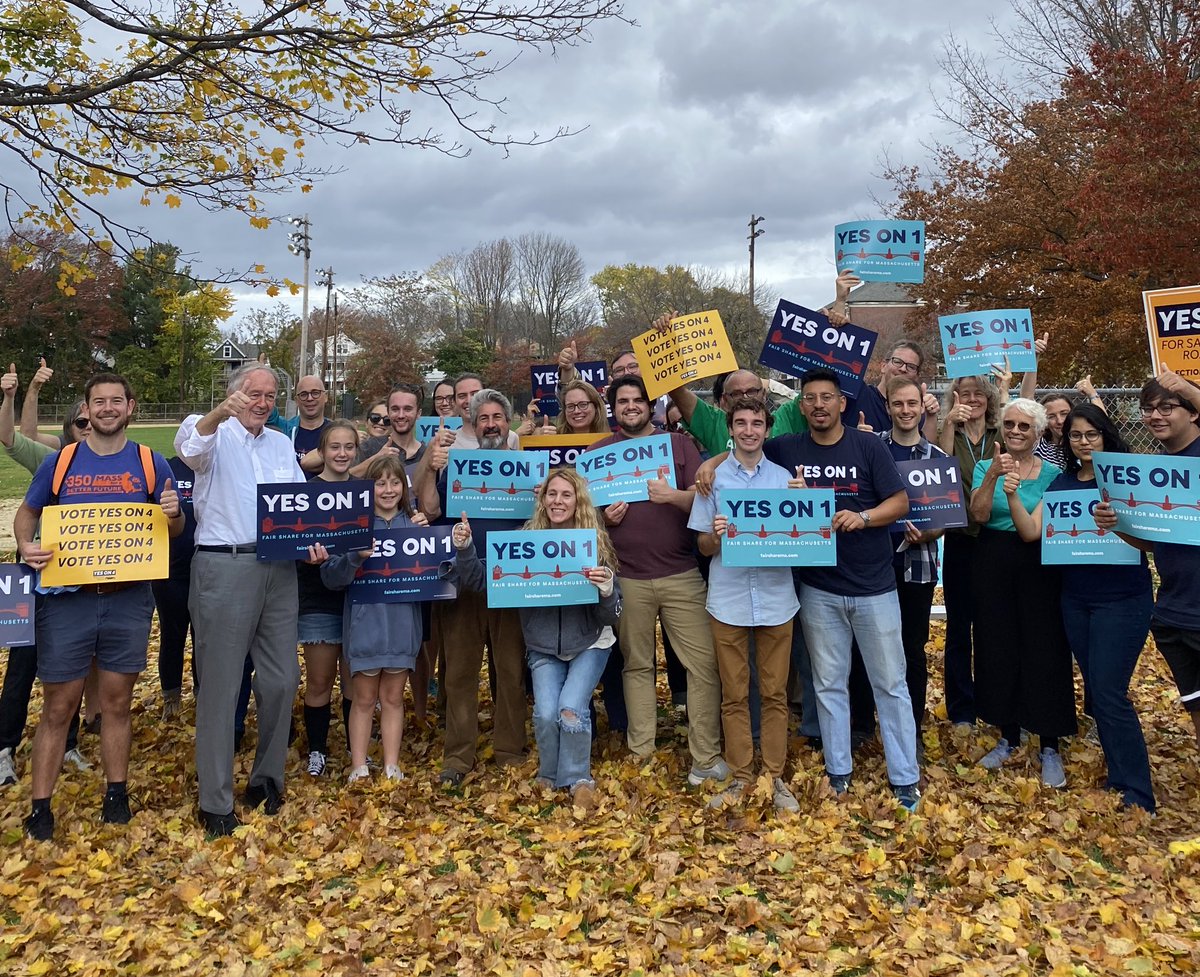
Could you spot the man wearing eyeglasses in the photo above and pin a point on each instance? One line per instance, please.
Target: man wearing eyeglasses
(869, 411)
(305, 428)
(1171, 411)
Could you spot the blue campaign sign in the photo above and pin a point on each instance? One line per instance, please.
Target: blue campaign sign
(427, 427)
(778, 527)
(618, 472)
(1155, 497)
(881, 250)
(974, 342)
(16, 605)
(543, 381)
(529, 567)
(295, 515)
(1070, 535)
(403, 567)
(800, 340)
(494, 484)
(935, 497)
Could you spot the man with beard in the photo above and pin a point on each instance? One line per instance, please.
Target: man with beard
(470, 624)
(109, 622)
(466, 387)
(238, 603)
(659, 576)
(305, 428)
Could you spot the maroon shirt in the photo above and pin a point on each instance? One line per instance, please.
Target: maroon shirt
(653, 540)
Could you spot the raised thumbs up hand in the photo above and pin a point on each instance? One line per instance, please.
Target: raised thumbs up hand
(8, 382)
(462, 533)
(169, 500)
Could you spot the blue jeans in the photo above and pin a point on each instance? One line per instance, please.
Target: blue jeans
(560, 687)
(831, 623)
(1106, 637)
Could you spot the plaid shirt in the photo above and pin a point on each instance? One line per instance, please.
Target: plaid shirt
(920, 559)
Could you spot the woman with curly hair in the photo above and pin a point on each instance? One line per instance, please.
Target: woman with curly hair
(567, 646)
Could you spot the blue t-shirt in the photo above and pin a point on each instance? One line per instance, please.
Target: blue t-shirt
(1178, 604)
(862, 474)
(1115, 582)
(304, 439)
(98, 478)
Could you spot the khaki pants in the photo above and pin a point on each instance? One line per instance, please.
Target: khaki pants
(773, 649)
(465, 627)
(679, 600)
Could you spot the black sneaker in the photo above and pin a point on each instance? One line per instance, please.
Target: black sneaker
(116, 809)
(219, 825)
(840, 782)
(263, 795)
(40, 825)
(449, 777)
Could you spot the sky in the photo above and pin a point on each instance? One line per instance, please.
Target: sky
(700, 115)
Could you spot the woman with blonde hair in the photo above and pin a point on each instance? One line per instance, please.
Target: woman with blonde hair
(567, 646)
(583, 410)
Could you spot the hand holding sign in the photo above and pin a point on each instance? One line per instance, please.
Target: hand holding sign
(33, 556)
(912, 535)
(8, 382)
(169, 500)
(847, 279)
(42, 376)
(1105, 516)
(317, 554)
(419, 519)
(598, 576)
(1002, 376)
(614, 513)
(720, 525)
(663, 322)
(462, 534)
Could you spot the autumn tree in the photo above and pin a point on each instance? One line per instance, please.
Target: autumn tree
(178, 100)
(553, 292)
(386, 356)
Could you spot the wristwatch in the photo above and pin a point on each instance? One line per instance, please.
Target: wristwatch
(866, 518)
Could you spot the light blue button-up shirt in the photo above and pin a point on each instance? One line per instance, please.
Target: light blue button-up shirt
(745, 597)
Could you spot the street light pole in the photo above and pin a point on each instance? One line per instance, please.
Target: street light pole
(754, 232)
(327, 281)
(300, 242)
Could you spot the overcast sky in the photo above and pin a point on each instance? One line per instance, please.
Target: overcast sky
(702, 114)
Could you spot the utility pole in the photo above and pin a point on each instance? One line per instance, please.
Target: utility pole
(327, 281)
(300, 243)
(754, 232)
(334, 410)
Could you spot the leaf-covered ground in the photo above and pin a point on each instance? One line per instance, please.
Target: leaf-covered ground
(995, 875)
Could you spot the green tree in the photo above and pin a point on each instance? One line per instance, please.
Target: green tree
(464, 352)
(214, 101)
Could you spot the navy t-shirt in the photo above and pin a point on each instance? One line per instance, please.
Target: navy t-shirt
(306, 440)
(183, 546)
(1115, 582)
(862, 474)
(1178, 604)
(870, 402)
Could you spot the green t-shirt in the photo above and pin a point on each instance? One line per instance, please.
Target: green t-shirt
(26, 453)
(708, 424)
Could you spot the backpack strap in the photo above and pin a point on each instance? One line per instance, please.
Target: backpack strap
(147, 456)
(65, 456)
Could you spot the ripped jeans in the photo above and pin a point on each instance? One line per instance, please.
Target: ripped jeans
(562, 725)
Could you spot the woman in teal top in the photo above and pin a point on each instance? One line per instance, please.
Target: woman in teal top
(1023, 672)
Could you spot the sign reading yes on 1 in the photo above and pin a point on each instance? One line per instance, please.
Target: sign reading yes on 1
(692, 347)
(292, 516)
(16, 605)
(974, 342)
(882, 250)
(1155, 497)
(1070, 534)
(403, 567)
(543, 381)
(1173, 325)
(427, 427)
(540, 566)
(800, 340)
(784, 527)
(935, 497)
(104, 542)
(494, 484)
(618, 472)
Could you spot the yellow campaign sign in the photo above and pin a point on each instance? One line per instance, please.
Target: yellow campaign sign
(694, 346)
(104, 542)
(1173, 326)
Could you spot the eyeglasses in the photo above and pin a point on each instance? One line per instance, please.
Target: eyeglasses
(624, 371)
(310, 394)
(448, 399)
(378, 419)
(820, 398)
(904, 365)
(580, 407)
(738, 394)
(1076, 436)
(1162, 410)
(82, 423)
(1022, 426)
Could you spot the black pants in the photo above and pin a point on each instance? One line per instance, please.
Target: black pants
(915, 602)
(14, 699)
(174, 619)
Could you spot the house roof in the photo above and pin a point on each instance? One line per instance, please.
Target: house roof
(882, 293)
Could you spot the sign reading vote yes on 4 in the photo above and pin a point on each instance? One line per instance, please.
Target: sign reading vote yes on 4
(104, 542)
(540, 566)
(976, 341)
(800, 340)
(16, 605)
(292, 516)
(618, 472)
(693, 346)
(935, 497)
(1173, 323)
(403, 567)
(881, 251)
(1070, 534)
(494, 484)
(1155, 497)
(778, 527)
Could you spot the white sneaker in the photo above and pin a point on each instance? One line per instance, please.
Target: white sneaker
(360, 773)
(316, 764)
(718, 771)
(995, 758)
(393, 773)
(785, 800)
(8, 773)
(77, 759)
(1053, 774)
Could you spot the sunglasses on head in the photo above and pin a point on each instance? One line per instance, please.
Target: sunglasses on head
(377, 418)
